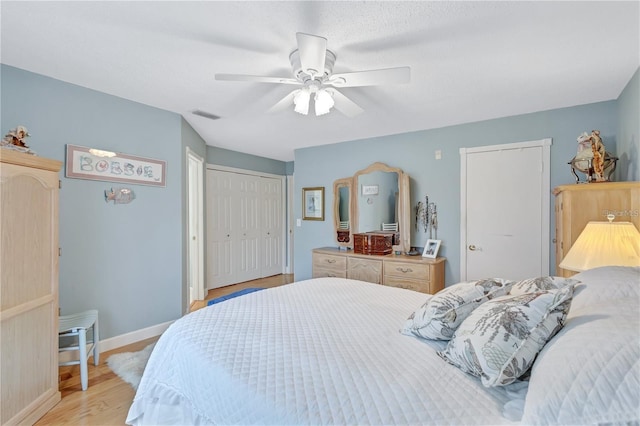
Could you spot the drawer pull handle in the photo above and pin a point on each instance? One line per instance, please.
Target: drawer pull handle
(331, 275)
(404, 270)
(331, 261)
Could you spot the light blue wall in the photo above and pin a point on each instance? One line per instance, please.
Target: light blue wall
(124, 260)
(289, 168)
(239, 160)
(629, 131)
(440, 179)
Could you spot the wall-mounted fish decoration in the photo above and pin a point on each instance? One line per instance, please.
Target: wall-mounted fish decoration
(119, 195)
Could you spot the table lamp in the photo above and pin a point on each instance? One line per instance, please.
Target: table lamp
(604, 244)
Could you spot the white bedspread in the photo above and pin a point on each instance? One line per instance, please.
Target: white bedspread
(322, 351)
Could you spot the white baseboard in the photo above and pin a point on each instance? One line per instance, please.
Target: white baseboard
(121, 340)
(132, 337)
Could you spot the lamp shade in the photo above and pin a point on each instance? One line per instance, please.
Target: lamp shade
(604, 244)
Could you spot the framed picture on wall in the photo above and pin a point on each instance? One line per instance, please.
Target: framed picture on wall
(431, 249)
(98, 164)
(313, 203)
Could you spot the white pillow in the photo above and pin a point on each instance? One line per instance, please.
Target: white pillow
(499, 341)
(439, 317)
(589, 373)
(533, 285)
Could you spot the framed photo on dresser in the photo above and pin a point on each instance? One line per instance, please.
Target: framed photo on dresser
(431, 249)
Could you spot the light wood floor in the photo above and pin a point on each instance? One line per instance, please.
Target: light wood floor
(108, 398)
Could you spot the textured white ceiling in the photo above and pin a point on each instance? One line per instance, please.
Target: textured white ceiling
(470, 61)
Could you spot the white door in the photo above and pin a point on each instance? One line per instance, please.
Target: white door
(505, 211)
(195, 233)
(272, 226)
(290, 225)
(220, 245)
(247, 227)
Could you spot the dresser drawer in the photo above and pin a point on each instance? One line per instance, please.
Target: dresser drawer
(326, 265)
(324, 272)
(369, 270)
(415, 285)
(329, 261)
(407, 270)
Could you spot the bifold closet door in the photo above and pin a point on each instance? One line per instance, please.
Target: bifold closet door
(272, 218)
(245, 221)
(246, 227)
(220, 239)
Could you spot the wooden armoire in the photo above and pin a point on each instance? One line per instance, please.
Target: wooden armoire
(578, 204)
(29, 188)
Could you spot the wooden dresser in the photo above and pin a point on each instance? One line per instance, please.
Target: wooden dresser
(28, 287)
(411, 272)
(578, 204)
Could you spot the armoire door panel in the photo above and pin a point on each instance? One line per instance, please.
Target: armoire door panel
(35, 238)
(29, 271)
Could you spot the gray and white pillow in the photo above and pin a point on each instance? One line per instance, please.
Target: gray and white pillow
(439, 317)
(533, 285)
(500, 340)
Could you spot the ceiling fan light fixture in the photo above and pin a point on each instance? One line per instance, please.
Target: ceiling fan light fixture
(312, 65)
(323, 102)
(301, 102)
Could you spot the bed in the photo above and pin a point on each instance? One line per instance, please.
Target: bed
(331, 351)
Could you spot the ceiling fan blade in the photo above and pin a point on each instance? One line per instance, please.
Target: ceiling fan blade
(371, 78)
(313, 51)
(344, 104)
(284, 103)
(257, 78)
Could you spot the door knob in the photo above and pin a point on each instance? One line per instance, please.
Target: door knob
(472, 247)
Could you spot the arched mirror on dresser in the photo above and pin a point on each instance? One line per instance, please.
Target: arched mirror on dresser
(381, 195)
(373, 197)
(342, 189)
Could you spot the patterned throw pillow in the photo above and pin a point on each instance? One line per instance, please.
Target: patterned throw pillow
(499, 341)
(439, 317)
(533, 285)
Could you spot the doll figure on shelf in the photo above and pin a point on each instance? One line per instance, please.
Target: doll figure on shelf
(597, 148)
(16, 140)
(592, 158)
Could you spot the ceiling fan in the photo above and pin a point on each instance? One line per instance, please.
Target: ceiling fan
(312, 65)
